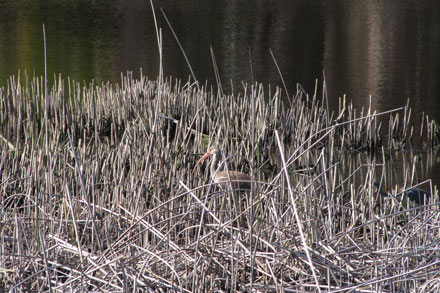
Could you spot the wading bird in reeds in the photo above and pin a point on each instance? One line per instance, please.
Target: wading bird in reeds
(238, 180)
(414, 194)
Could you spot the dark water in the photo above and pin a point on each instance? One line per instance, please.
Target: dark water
(386, 49)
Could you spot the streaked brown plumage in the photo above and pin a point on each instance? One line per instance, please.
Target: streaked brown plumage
(239, 180)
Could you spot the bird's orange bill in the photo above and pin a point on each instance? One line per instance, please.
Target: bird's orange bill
(200, 161)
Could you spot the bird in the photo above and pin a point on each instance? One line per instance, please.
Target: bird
(414, 194)
(417, 195)
(239, 180)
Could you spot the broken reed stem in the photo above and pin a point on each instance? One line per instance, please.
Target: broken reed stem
(121, 157)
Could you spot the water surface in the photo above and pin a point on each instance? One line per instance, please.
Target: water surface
(386, 50)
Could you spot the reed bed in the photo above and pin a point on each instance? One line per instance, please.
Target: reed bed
(106, 202)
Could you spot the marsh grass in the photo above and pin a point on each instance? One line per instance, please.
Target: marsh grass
(110, 220)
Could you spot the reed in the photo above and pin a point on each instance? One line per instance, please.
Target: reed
(111, 220)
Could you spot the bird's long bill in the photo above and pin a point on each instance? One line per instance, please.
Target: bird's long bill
(200, 161)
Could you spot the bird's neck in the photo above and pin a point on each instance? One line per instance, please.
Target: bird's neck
(215, 163)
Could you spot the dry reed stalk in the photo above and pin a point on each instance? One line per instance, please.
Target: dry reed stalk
(114, 221)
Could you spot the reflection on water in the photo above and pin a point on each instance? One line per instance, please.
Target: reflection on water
(386, 49)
